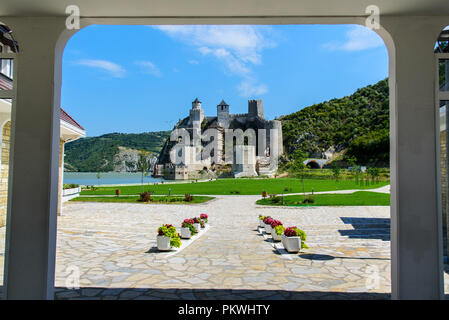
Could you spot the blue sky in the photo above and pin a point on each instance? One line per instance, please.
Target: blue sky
(143, 78)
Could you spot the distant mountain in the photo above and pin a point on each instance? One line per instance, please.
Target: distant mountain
(355, 126)
(111, 151)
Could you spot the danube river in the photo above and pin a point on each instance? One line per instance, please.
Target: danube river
(112, 178)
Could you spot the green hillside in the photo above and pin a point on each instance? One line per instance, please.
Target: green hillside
(356, 125)
(96, 153)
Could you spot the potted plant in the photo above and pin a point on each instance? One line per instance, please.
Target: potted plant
(197, 223)
(117, 192)
(274, 224)
(167, 238)
(261, 219)
(204, 217)
(187, 229)
(267, 223)
(294, 239)
(277, 233)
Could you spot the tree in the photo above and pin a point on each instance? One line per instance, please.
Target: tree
(374, 173)
(353, 163)
(336, 172)
(143, 165)
(297, 167)
(98, 177)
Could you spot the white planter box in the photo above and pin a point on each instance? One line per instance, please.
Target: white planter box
(275, 236)
(68, 194)
(163, 243)
(197, 226)
(261, 224)
(291, 244)
(268, 229)
(185, 233)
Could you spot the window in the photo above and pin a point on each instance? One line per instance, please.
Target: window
(6, 65)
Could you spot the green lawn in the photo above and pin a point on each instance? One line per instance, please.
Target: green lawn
(135, 199)
(239, 186)
(359, 198)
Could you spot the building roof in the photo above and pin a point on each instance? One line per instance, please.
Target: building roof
(197, 101)
(5, 82)
(67, 118)
(223, 103)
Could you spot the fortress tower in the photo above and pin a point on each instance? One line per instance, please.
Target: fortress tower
(255, 108)
(196, 114)
(223, 114)
(195, 120)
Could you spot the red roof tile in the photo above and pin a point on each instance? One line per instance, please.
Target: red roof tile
(67, 118)
(5, 83)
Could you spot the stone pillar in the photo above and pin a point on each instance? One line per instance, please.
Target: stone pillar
(416, 229)
(61, 175)
(33, 181)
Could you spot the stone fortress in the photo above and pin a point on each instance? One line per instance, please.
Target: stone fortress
(256, 155)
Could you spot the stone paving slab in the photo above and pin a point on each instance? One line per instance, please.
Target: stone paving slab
(109, 243)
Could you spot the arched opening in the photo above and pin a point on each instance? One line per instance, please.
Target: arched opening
(116, 74)
(313, 165)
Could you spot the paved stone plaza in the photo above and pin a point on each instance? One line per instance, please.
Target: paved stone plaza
(112, 245)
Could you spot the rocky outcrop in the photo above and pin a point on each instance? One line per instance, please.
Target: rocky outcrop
(125, 160)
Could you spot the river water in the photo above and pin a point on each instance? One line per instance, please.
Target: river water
(111, 178)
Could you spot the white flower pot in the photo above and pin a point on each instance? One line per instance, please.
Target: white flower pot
(197, 226)
(163, 243)
(276, 237)
(185, 233)
(291, 244)
(268, 229)
(261, 224)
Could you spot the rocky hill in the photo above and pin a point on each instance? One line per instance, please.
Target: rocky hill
(355, 126)
(112, 152)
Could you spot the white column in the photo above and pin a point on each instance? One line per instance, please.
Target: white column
(416, 230)
(33, 181)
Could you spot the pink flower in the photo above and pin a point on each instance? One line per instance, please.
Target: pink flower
(203, 216)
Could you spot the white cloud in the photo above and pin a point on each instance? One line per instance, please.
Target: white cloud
(249, 88)
(112, 68)
(149, 67)
(238, 48)
(194, 62)
(246, 42)
(358, 38)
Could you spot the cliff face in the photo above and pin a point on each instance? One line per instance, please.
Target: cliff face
(111, 152)
(125, 160)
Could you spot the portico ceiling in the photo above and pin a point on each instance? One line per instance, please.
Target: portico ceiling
(228, 8)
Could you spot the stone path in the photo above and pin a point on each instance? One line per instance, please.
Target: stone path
(112, 246)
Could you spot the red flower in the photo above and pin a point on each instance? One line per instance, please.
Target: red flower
(203, 216)
(189, 221)
(268, 220)
(275, 223)
(290, 232)
(196, 220)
